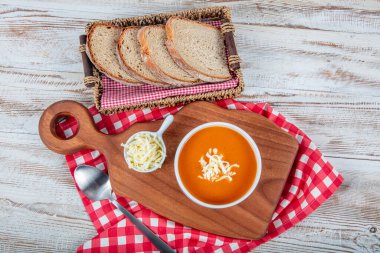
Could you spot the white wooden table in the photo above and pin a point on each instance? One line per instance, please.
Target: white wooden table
(317, 62)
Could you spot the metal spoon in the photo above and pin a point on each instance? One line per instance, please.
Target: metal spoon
(96, 185)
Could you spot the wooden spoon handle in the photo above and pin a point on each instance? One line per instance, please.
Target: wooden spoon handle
(87, 135)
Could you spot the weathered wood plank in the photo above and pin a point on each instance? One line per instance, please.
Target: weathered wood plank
(40, 209)
(25, 90)
(339, 63)
(351, 16)
(345, 221)
(38, 31)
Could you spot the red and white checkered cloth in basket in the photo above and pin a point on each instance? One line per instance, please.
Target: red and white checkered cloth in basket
(311, 182)
(116, 94)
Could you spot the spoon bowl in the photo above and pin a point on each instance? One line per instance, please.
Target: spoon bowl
(94, 183)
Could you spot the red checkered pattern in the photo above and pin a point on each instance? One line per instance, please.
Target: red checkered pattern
(116, 94)
(311, 182)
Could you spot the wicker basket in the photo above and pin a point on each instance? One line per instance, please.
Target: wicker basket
(93, 76)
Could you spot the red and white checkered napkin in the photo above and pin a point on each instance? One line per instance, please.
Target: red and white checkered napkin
(312, 180)
(116, 94)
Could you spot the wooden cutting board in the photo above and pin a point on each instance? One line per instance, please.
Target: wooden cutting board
(159, 190)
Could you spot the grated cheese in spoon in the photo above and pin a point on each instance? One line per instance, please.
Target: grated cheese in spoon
(144, 152)
(214, 168)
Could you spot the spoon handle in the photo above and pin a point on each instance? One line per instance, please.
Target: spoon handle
(160, 244)
(167, 122)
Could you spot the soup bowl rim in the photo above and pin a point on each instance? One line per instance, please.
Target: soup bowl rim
(254, 148)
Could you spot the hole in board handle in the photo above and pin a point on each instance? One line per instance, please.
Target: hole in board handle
(65, 126)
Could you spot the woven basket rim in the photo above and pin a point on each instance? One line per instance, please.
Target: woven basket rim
(210, 13)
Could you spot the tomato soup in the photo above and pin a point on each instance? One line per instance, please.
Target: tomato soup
(234, 148)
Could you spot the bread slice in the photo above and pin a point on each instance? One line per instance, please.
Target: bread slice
(157, 58)
(128, 49)
(198, 48)
(101, 49)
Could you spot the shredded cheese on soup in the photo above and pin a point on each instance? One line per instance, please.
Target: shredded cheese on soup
(214, 168)
(144, 152)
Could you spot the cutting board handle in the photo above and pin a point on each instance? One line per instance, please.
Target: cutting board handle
(87, 135)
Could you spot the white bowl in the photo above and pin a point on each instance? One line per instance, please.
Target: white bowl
(236, 129)
(163, 151)
(165, 124)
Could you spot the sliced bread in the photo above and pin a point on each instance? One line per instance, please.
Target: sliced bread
(157, 58)
(101, 49)
(198, 48)
(128, 49)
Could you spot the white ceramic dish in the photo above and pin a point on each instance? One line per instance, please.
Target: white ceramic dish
(236, 129)
(167, 122)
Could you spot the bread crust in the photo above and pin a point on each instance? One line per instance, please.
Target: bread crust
(129, 69)
(90, 55)
(178, 58)
(152, 66)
